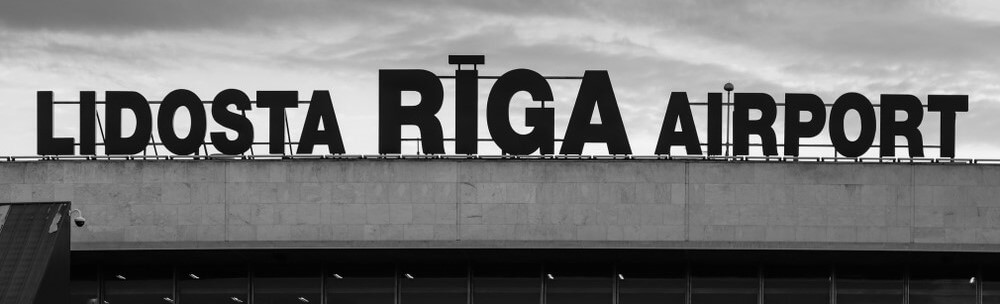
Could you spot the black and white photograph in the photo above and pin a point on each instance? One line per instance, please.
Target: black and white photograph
(499, 152)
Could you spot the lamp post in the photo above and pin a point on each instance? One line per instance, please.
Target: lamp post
(729, 89)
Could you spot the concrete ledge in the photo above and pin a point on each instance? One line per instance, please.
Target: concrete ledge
(444, 203)
(500, 245)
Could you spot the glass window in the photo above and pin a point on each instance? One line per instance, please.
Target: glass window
(139, 285)
(434, 284)
(651, 283)
(578, 283)
(796, 285)
(507, 283)
(287, 284)
(83, 284)
(361, 284)
(207, 285)
(942, 284)
(869, 284)
(724, 284)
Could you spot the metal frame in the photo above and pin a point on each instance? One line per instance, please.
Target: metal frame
(542, 281)
(583, 157)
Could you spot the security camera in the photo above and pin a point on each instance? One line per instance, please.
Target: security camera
(78, 219)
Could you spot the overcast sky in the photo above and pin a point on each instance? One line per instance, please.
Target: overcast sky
(650, 48)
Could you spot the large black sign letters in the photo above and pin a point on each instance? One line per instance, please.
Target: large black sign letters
(754, 115)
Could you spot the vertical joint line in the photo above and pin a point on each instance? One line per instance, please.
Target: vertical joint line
(979, 284)
(323, 274)
(469, 283)
(760, 284)
(833, 284)
(225, 203)
(687, 283)
(615, 282)
(906, 285)
(458, 209)
(100, 283)
(250, 279)
(687, 202)
(541, 280)
(396, 283)
(913, 198)
(173, 291)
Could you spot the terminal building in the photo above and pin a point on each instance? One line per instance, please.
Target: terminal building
(486, 231)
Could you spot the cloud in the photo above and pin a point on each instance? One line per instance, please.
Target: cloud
(650, 48)
(105, 16)
(178, 15)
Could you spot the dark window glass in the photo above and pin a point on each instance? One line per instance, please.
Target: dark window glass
(724, 284)
(434, 284)
(578, 283)
(651, 283)
(287, 284)
(361, 284)
(942, 285)
(991, 284)
(83, 285)
(796, 285)
(869, 284)
(503, 283)
(207, 285)
(139, 285)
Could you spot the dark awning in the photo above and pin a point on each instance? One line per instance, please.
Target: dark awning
(34, 252)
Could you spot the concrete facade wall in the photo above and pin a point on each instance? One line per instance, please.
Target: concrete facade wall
(518, 203)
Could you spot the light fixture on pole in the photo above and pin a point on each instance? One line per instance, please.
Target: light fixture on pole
(729, 89)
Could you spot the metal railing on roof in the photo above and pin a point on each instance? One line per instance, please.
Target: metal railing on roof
(557, 157)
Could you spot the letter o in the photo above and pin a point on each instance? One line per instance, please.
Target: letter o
(165, 122)
(848, 102)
